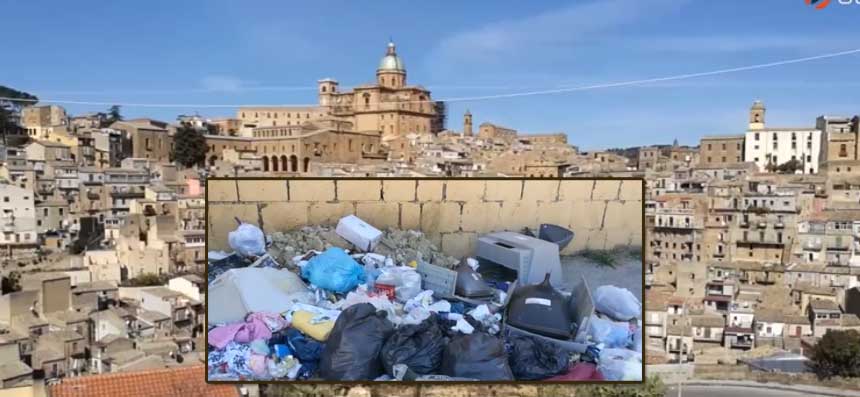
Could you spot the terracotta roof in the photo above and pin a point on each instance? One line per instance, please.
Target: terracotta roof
(171, 382)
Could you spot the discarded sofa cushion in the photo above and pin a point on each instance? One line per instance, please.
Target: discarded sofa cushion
(334, 270)
(353, 346)
(535, 359)
(476, 356)
(238, 292)
(302, 321)
(418, 346)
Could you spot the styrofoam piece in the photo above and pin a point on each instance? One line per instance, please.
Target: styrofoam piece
(238, 292)
(358, 232)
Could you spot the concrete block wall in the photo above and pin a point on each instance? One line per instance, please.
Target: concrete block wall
(604, 214)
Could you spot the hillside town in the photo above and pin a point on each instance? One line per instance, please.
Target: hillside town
(752, 243)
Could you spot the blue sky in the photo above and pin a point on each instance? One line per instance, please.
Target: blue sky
(272, 52)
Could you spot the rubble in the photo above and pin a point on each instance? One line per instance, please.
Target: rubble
(403, 246)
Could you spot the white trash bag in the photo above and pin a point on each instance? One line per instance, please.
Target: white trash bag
(618, 303)
(620, 364)
(248, 240)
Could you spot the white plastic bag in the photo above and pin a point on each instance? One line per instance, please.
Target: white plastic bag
(247, 240)
(406, 281)
(620, 364)
(618, 303)
(610, 333)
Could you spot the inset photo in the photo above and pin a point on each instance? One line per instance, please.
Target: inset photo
(425, 280)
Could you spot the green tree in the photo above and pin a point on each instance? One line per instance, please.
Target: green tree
(148, 280)
(11, 102)
(113, 115)
(837, 354)
(189, 146)
(790, 166)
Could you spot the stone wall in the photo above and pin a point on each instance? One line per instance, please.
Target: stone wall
(604, 214)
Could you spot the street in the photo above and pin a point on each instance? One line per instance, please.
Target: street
(729, 391)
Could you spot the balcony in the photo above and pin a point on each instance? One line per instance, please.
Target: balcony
(762, 225)
(779, 225)
(812, 246)
(744, 224)
(834, 247)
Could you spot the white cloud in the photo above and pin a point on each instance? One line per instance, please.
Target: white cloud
(552, 34)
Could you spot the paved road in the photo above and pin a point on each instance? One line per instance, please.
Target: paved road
(729, 391)
(627, 273)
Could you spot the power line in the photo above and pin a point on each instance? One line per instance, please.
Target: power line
(558, 90)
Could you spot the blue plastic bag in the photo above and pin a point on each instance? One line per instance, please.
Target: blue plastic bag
(610, 333)
(334, 270)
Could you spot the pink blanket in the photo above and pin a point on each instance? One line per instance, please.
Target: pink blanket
(256, 326)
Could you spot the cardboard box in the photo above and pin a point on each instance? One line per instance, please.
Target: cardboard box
(358, 232)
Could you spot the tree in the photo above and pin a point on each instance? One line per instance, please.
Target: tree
(790, 166)
(113, 115)
(837, 354)
(148, 280)
(189, 146)
(11, 102)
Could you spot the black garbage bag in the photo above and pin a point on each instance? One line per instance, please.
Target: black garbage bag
(418, 346)
(478, 356)
(535, 359)
(352, 349)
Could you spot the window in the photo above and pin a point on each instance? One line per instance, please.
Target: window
(843, 150)
(756, 136)
(724, 146)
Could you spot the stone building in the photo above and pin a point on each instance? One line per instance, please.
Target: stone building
(721, 150)
(489, 130)
(40, 121)
(293, 149)
(676, 235)
(389, 107)
(769, 147)
(150, 139)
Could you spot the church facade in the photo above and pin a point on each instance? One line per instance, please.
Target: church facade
(346, 126)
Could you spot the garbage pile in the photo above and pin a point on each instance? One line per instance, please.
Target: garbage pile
(355, 303)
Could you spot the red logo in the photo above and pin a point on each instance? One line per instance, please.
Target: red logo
(819, 4)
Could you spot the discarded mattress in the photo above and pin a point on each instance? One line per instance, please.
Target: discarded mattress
(238, 292)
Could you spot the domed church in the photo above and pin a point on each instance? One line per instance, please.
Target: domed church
(390, 106)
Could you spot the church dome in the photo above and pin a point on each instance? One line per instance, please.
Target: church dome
(391, 62)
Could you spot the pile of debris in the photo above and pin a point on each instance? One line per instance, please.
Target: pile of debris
(401, 245)
(354, 303)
